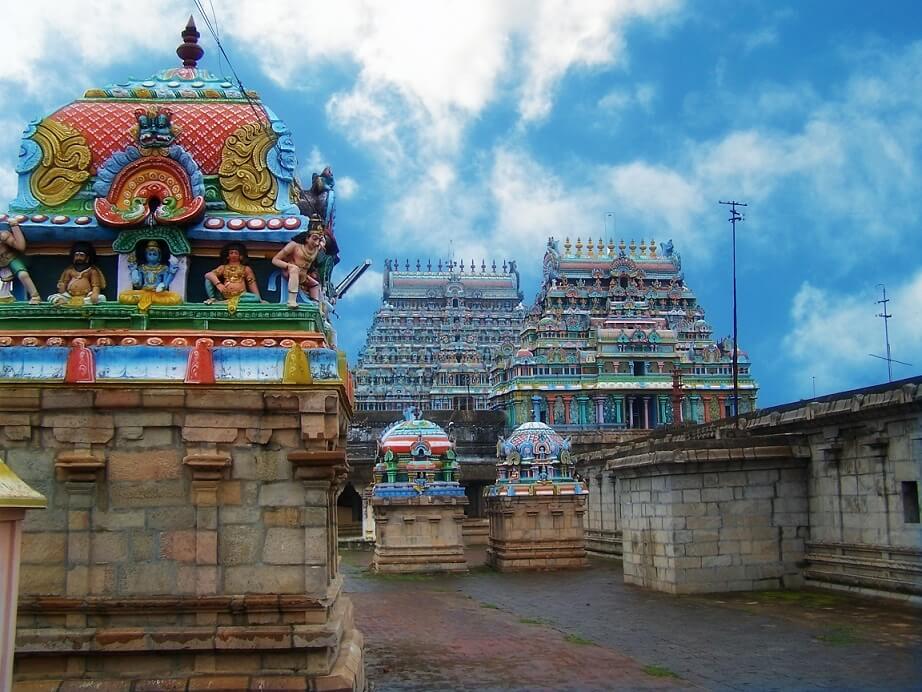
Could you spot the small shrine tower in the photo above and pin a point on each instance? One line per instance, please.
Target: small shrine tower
(536, 506)
(417, 501)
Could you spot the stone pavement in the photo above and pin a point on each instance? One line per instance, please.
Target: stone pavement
(587, 630)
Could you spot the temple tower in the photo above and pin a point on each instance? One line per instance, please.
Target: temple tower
(169, 380)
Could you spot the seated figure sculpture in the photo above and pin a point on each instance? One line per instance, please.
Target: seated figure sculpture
(81, 283)
(299, 262)
(151, 280)
(233, 281)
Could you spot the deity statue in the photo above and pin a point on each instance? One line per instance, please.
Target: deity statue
(310, 250)
(151, 280)
(233, 281)
(81, 283)
(12, 244)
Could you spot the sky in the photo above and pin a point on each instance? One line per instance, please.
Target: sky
(477, 129)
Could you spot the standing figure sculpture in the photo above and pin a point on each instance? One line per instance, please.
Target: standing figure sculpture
(81, 283)
(320, 201)
(12, 244)
(299, 262)
(233, 281)
(151, 280)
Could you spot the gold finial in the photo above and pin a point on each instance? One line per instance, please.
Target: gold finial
(566, 246)
(579, 246)
(600, 245)
(611, 246)
(621, 246)
(589, 246)
(633, 247)
(652, 248)
(643, 247)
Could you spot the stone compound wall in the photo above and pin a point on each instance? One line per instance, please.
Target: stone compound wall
(715, 524)
(190, 536)
(603, 516)
(536, 532)
(420, 534)
(859, 481)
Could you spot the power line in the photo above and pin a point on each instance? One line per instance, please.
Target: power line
(260, 116)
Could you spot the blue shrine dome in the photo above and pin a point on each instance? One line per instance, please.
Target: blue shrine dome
(536, 440)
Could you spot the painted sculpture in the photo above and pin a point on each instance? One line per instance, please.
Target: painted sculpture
(12, 245)
(233, 281)
(151, 279)
(416, 457)
(299, 261)
(82, 283)
(534, 460)
(143, 179)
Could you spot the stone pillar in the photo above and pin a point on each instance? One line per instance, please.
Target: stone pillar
(721, 406)
(582, 402)
(15, 498)
(630, 411)
(646, 412)
(567, 399)
(551, 401)
(600, 410)
(536, 407)
(707, 408)
(208, 469)
(619, 409)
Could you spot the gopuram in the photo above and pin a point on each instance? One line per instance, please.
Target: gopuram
(536, 506)
(615, 341)
(436, 334)
(169, 380)
(417, 501)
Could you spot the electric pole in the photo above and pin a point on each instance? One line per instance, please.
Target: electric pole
(735, 217)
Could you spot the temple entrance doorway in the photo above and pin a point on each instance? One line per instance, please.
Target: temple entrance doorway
(349, 512)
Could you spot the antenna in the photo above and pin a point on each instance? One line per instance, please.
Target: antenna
(609, 215)
(890, 361)
(734, 217)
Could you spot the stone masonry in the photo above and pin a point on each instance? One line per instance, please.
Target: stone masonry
(536, 532)
(824, 493)
(419, 534)
(190, 537)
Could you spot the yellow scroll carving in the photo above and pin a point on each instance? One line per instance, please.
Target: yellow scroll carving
(65, 163)
(247, 183)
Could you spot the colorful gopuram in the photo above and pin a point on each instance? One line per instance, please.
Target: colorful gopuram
(536, 506)
(417, 501)
(436, 334)
(169, 380)
(617, 340)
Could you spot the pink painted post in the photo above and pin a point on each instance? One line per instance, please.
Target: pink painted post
(15, 498)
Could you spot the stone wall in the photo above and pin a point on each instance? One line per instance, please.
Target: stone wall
(190, 534)
(715, 524)
(603, 516)
(862, 468)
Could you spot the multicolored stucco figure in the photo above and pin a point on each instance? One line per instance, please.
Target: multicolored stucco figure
(150, 281)
(233, 281)
(81, 283)
(12, 245)
(298, 261)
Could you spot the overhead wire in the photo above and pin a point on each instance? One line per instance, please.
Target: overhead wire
(260, 115)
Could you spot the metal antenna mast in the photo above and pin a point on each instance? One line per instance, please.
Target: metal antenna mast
(890, 361)
(735, 217)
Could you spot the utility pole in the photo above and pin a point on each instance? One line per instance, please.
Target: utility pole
(886, 316)
(734, 217)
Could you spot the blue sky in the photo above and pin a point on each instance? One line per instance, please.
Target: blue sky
(481, 128)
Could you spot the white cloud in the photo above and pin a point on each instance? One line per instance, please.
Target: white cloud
(346, 187)
(833, 335)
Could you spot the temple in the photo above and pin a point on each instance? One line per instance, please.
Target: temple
(438, 330)
(616, 339)
(169, 380)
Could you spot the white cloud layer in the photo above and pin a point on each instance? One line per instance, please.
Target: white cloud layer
(834, 334)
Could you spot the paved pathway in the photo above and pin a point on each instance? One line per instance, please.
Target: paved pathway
(586, 630)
